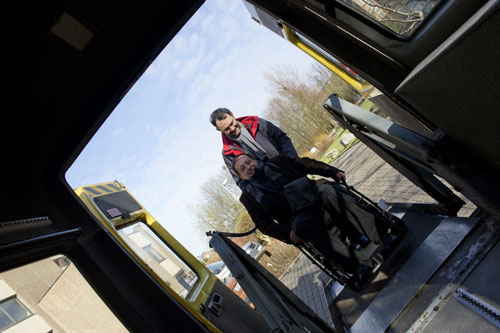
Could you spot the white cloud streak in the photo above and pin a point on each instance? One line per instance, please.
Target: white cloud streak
(158, 141)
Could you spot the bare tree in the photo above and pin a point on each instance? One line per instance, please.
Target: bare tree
(219, 207)
(329, 83)
(400, 16)
(296, 106)
(245, 223)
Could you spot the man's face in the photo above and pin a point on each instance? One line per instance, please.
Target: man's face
(245, 167)
(228, 125)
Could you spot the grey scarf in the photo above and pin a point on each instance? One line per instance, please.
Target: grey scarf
(246, 138)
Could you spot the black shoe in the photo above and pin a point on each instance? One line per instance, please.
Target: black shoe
(357, 242)
(363, 240)
(363, 272)
(387, 239)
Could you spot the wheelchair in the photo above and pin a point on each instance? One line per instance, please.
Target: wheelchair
(392, 232)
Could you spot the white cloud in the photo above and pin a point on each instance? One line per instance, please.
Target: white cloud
(190, 66)
(207, 23)
(158, 141)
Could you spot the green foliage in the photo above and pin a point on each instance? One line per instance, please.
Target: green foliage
(328, 157)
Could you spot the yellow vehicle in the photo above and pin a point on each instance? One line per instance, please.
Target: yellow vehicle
(178, 272)
(77, 59)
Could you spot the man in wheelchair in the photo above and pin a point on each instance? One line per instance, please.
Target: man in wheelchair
(285, 204)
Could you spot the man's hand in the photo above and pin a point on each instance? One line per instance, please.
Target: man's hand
(295, 238)
(340, 176)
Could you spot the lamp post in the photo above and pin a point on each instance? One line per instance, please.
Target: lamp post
(224, 183)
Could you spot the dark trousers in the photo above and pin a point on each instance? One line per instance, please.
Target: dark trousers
(348, 215)
(330, 221)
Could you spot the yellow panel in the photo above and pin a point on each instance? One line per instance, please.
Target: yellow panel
(206, 279)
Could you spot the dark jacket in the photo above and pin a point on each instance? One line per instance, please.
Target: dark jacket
(293, 168)
(267, 135)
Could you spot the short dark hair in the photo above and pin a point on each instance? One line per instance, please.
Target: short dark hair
(219, 114)
(237, 158)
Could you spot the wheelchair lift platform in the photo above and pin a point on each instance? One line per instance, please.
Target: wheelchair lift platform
(425, 276)
(442, 271)
(426, 283)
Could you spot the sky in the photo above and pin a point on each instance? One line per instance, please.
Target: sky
(158, 141)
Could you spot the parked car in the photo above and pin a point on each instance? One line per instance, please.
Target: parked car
(254, 249)
(220, 270)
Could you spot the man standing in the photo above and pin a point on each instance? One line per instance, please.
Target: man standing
(250, 135)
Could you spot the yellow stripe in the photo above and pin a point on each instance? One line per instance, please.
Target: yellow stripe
(292, 38)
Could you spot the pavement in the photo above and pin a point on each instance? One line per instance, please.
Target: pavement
(308, 282)
(376, 179)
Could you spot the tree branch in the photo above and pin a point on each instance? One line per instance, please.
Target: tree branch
(390, 9)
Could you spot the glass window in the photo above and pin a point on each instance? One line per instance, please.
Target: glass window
(153, 253)
(400, 16)
(5, 321)
(12, 311)
(216, 267)
(160, 258)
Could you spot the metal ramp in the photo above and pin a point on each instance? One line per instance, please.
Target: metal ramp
(439, 252)
(413, 275)
(418, 285)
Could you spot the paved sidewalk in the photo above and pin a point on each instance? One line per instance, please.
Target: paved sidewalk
(308, 282)
(376, 179)
(370, 175)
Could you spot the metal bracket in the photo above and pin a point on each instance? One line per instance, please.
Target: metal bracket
(478, 306)
(418, 158)
(215, 304)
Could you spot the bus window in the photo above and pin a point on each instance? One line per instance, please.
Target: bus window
(160, 258)
(402, 17)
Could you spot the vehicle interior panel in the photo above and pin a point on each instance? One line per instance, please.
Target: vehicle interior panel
(456, 88)
(62, 98)
(233, 312)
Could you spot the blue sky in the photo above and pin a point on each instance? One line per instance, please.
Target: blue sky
(158, 141)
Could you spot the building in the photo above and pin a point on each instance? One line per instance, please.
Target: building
(52, 296)
(161, 259)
